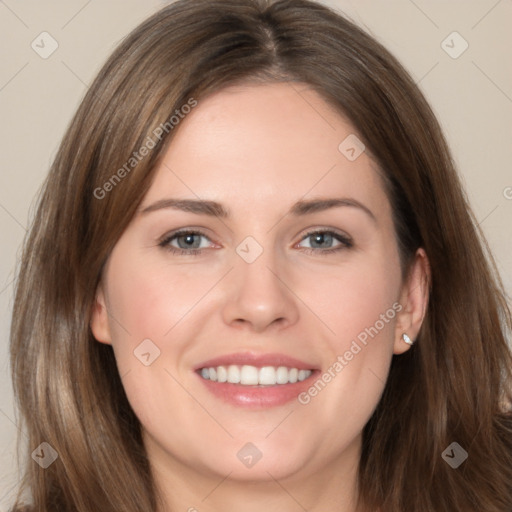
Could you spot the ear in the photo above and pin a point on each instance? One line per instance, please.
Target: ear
(99, 319)
(414, 301)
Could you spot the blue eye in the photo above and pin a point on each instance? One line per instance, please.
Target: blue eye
(322, 237)
(189, 242)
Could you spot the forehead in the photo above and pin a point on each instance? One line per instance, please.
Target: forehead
(272, 142)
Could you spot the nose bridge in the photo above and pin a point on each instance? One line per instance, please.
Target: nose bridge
(258, 275)
(258, 292)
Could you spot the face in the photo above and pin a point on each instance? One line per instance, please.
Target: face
(286, 278)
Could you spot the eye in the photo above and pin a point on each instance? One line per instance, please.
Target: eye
(322, 240)
(188, 242)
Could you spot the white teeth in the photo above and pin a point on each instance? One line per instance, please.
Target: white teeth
(222, 374)
(302, 375)
(282, 375)
(248, 375)
(267, 376)
(234, 374)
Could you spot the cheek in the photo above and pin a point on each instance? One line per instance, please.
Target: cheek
(359, 304)
(357, 300)
(365, 307)
(149, 298)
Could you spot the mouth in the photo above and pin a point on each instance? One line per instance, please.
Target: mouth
(248, 375)
(256, 381)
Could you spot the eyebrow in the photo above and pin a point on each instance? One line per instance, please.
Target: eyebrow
(215, 209)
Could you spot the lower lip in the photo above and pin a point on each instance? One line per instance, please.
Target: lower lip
(257, 397)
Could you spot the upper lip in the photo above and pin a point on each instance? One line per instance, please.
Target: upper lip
(253, 359)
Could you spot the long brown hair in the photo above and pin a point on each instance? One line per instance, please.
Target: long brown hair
(454, 385)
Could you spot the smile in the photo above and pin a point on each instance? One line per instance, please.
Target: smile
(248, 375)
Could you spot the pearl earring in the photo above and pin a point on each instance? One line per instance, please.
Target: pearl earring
(407, 339)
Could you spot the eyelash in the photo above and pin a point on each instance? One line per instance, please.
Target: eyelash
(346, 242)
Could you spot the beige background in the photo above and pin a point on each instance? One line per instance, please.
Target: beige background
(471, 94)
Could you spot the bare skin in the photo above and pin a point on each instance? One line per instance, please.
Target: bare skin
(258, 150)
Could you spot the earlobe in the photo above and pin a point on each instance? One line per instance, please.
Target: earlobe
(414, 302)
(99, 319)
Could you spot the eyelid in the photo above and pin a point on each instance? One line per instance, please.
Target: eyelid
(165, 240)
(345, 241)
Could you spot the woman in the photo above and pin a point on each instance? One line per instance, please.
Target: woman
(182, 339)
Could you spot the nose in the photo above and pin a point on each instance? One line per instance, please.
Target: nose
(260, 294)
